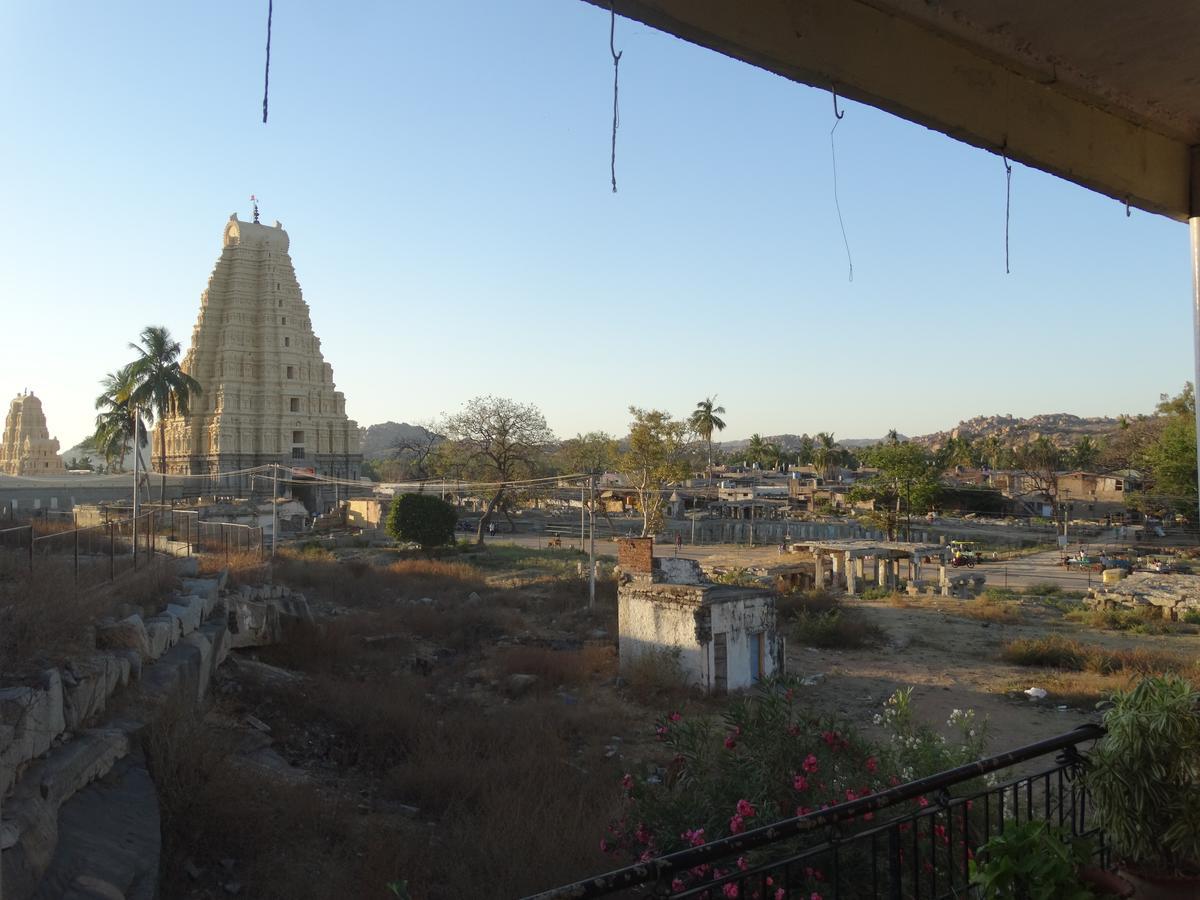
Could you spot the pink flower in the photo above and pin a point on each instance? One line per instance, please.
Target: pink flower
(642, 835)
(780, 894)
(603, 845)
(814, 896)
(737, 825)
(730, 743)
(745, 809)
(661, 732)
(850, 795)
(922, 802)
(730, 890)
(799, 782)
(627, 782)
(675, 717)
(810, 764)
(830, 737)
(867, 817)
(677, 886)
(803, 810)
(742, 863)
(872, 764)
(694, 836)
(793, 730)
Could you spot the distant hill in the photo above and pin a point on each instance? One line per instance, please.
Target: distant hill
(1063, 429)
(380, 441)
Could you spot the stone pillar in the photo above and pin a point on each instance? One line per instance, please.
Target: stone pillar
(836, 560)
(895, 573)
(880, 571)
(819, 569)
(943, 581)
(860, 568)
(853, 568)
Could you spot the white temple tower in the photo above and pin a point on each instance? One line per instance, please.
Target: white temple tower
(26, 447)
(268, 394)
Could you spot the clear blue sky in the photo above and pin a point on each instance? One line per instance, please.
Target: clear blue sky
(442, 169)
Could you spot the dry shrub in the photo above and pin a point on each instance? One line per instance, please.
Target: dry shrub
(357, 582)
(377, 721)
(656, 676)
(43, 620)
(244, 566)
(900, 601)
(792, 604)
(1143, 620)
(517, 814)
(837, 628)
(555, 667)
(460, 627)
(1056, 652)
(987, 608)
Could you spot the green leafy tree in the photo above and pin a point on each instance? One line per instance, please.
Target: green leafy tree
(496, 440)
(804, 455)
(1085, 454)
(117, 419)
(161, 386)
(1040, 461)
(705, 420)
(907, 479)
(593, 453)
(422, 519)
(657, 456)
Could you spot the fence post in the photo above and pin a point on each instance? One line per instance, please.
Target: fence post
(225, 535)
(188, 525)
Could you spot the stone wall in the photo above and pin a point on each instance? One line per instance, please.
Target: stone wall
(79, 814)
(1174, 595)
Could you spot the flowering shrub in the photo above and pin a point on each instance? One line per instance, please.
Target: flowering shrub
(768, 758)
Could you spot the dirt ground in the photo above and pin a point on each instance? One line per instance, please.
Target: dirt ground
(347, 720)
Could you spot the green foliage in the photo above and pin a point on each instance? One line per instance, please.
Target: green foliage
(593, 453)
(422, 519)
(1031, 861)
(737, 577)
(918, 750)
(907, 480)
(1056, 652)
(706, 419)
(656, 457)
(844, 628)
(1144, 775)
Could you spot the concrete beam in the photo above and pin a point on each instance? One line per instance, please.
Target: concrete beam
(874, 55)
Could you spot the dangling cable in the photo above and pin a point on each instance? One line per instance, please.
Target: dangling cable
(837, 117)
(1007, 201)
(616, 58)
(267, 73)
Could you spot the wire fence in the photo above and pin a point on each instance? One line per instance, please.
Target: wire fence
(102, 553)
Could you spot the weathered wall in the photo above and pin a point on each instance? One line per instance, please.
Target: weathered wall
(662, 617)
(742, 619)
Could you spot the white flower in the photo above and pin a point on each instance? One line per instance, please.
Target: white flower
(878, 719)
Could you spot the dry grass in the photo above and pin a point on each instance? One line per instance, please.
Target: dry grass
(1078, 689)
(1143, 620)
(988, 608)
(792, 604)
(558, 667)
(1056, 652)
(657, 678)
(47, 617)
(837, 628)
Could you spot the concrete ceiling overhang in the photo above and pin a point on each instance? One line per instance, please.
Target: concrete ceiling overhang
(1104, 93)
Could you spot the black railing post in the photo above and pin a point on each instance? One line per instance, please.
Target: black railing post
(895, 875)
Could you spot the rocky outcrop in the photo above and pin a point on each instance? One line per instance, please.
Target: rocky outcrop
(1173, 594)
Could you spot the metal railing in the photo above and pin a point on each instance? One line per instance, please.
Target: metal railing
(922, 851)
(101, 553)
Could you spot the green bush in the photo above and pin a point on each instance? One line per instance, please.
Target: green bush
(845, 628)
(422, 519)
(1031, 860)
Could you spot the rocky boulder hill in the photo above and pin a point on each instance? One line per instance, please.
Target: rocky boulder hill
(380, 441)
(793, 441)
(1063, 429)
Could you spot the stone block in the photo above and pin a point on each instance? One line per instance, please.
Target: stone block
(188, 567)
(30, 719)
(218, 634)
(128, 634)
(208, 588)
(161, 633)
(188, 614)
(203, 644)
(86, 693)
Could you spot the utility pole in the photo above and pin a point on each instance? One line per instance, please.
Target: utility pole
(137, 455)
(592, 549)
(582, 510)
(274, 506)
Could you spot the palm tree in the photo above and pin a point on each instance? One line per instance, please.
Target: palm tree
(756, 450)
(162, 386)
(115, 421)
(827, 455)
(705, 420)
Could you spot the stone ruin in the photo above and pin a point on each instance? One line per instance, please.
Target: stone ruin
(26, 447)
(1175, 595)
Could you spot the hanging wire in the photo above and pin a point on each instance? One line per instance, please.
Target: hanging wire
(267, 73)
(837, 117)
(616, 58)
(1007, 201)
